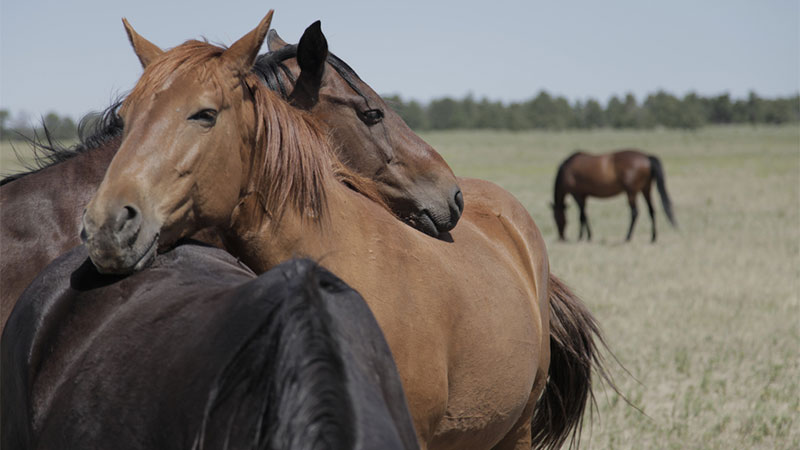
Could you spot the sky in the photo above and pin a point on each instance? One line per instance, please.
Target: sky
(73, 57)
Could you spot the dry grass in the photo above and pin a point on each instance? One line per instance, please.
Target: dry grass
(708, 318)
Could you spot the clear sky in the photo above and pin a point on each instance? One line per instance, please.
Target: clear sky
(72, 56)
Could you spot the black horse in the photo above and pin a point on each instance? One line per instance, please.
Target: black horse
(197, 352)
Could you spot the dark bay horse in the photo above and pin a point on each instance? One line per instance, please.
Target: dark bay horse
(585, 175)
(198, 352)
(473, 346)
(40, 212)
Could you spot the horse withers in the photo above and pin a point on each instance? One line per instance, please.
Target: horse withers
(197, 352)
(585, 175)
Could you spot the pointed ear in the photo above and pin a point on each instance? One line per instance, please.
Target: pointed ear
(274, 42)
(242, 54)
(144, 49)
(552, 205)
(312, 53)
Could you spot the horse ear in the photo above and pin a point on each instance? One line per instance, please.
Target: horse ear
(242, 54)
(144, 49)
(274, 42)
(312, 53)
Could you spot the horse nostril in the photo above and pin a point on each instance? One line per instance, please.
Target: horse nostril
(459, 198)
(127, 215)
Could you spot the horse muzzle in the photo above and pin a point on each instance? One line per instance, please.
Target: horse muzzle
(121, 242)
(436, 218)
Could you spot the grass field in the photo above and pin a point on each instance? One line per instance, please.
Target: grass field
(707, 320)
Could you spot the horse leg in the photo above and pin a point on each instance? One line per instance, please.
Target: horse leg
(646, 193)
(584, 220)
(634, 213)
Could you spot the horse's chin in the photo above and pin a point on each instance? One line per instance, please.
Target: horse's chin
(124, 261)
(424, 223)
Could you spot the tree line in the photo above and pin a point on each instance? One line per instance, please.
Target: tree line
(545, 111)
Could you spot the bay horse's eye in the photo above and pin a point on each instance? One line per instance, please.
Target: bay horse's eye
(372, 116)
(207, 117)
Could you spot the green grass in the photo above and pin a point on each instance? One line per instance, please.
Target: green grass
(707, 319)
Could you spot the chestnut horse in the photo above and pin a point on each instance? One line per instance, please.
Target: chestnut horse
(40, 211)
(467, 318)
(585, 175)
(197, 352)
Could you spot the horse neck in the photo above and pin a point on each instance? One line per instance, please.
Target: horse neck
(263, 241)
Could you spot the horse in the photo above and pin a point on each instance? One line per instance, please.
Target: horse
(585, 175)
(473, 346)
(369, 137)
(198, 352)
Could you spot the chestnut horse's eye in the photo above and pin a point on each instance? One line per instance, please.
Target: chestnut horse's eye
(372, 116)
(207, 117)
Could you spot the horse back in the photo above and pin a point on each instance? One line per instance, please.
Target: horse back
(41, 214)
(173, 355)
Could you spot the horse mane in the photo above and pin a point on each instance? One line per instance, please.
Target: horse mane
(558, 199)
(290, 373)
(94, 130)
(291, 146)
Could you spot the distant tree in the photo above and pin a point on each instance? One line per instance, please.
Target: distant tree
(720, 109)
(692, 112)
(593, 116)
(517, 119)
(755, 108)
(4, 116)
(444, 114)
(60, 128)
(615, 113)
(412, 112)
(491, 115)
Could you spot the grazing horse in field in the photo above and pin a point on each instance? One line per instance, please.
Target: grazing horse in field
(198, 352)
(584, 175)
(40, 211)
(467, 317)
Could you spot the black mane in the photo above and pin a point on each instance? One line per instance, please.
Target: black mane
(94, 130)
(292, 369)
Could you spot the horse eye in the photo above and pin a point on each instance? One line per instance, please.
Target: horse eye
(372, 116)
(207, 117)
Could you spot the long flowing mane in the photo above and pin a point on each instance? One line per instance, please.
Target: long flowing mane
(292, 147)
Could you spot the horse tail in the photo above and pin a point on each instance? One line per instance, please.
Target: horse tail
(286, 386)
(575, 338)
(657, 172)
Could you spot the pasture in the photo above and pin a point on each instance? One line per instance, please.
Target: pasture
(707, 320)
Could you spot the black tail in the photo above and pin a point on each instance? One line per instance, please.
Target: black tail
(657, 172)
(286, 386)
(574, 354)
